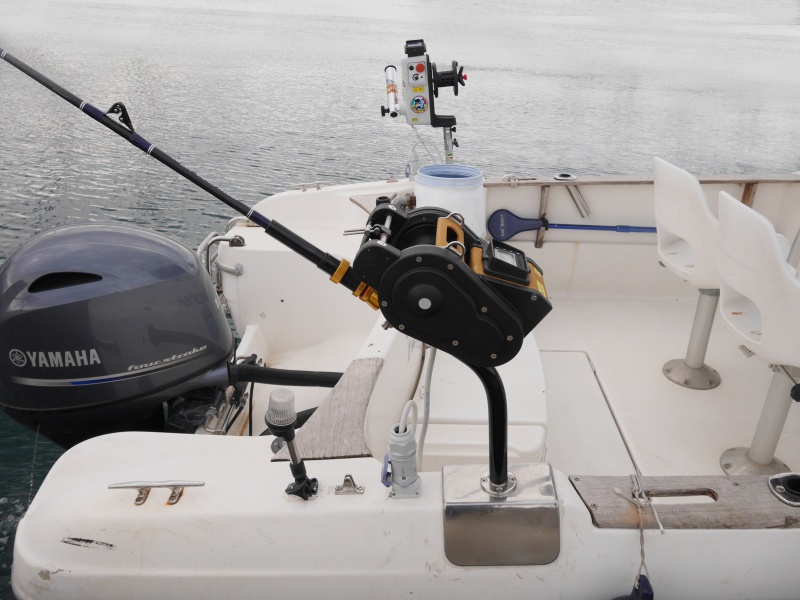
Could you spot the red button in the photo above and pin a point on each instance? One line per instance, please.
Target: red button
(420, 67)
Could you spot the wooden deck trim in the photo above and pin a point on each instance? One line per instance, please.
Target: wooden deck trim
(336, 429)
(749, 194)
(741, 503)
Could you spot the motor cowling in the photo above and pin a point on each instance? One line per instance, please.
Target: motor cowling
(102, 322)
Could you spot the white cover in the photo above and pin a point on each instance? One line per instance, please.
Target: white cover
(760, 292)
(686, 227)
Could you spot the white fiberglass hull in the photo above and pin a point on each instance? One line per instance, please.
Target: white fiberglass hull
(239, 536)
(606, 411)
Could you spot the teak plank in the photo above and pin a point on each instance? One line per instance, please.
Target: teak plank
(741, 503)
(336, 429)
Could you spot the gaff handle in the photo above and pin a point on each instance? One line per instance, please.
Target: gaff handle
(503, 224)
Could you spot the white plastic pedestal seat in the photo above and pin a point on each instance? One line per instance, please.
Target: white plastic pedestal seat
(760, 303)
(686, 229)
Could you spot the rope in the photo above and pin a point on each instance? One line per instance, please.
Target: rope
(639, 499)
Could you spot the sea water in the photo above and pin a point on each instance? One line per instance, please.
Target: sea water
(258, 95)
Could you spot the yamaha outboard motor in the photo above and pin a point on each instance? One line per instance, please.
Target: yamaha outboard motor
(100, 323)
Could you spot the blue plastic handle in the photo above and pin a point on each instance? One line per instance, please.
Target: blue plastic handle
(503, 224)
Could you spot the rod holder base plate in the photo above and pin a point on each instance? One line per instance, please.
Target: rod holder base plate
(520, 528)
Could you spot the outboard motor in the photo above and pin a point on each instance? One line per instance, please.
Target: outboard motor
(100, 323)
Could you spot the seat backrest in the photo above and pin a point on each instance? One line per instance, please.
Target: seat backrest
(686, 227)
(760, 291)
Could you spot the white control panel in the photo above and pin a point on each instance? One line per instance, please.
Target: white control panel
(417, 90)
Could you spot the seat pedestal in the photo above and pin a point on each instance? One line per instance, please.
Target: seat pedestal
(759, 458)
(692, 372)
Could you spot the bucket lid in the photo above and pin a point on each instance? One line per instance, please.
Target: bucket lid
(449, 176)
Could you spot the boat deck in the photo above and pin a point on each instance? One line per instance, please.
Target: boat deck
(617, 318)
(627, 401)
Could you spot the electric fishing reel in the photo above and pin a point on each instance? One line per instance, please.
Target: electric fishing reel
(440, 283)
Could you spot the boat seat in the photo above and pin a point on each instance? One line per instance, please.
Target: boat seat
(760, 305)
(686, 230)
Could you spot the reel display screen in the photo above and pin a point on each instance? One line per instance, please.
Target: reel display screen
(506, 262)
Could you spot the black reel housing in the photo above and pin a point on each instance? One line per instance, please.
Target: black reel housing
(102, 322)
(440, 283)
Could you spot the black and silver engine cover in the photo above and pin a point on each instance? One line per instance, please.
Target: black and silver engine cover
(103, 321)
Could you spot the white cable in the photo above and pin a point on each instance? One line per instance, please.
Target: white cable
(426, 411)
(410, 406)
(424, 145)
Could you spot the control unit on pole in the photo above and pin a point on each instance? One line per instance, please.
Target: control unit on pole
(421, 81)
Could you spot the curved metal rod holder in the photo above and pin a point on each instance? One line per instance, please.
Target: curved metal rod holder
(498, 426)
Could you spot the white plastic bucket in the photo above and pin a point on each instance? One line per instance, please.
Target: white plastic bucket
(455, 188)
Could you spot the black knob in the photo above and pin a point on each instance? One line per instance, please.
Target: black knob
(795, 393)
(384, 111)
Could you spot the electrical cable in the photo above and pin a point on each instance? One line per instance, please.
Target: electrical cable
(426, 411)
(424, 145)
(403, 425)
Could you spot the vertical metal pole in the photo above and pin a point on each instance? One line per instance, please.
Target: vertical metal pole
(448, 145)
(701, 328)
(773, 418)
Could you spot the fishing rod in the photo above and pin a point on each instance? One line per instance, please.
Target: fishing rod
(339, 270)
(503, 224)
(440, 283)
